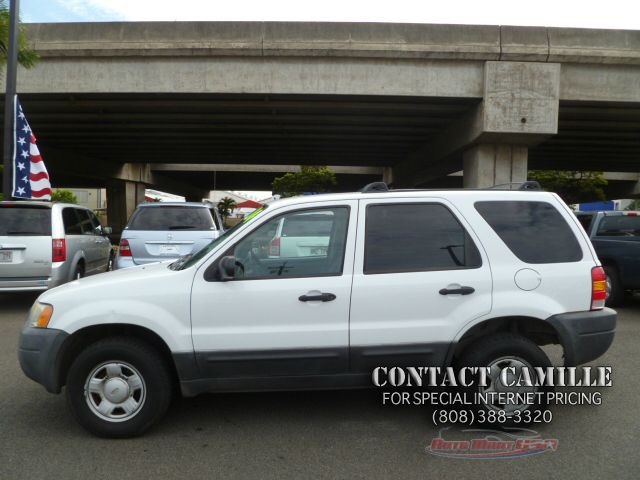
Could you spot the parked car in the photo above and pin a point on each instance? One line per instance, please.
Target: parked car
(165, 231)
(305, 235)
(43, 245)
(422, 278)
(616, 237)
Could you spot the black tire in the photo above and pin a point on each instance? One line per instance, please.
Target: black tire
(150, 366)
(490, 349)
(615, 298)
(110, 262)
(79, 272)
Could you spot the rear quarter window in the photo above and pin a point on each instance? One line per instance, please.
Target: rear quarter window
(535, 232)
(25, 221)
(172, 218)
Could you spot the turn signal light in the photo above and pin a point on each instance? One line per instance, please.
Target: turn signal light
(40, 315)
(124, 250)
(598, 288)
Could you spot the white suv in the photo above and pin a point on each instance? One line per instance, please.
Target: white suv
(407, 278)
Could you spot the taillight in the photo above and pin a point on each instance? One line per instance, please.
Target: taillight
(124, 250)
(59, 250)
(598, 288)
(274, 247)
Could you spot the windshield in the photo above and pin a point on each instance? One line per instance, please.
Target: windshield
(186, 262)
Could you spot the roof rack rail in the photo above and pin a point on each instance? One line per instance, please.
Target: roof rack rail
(529, 185)
(374, 187)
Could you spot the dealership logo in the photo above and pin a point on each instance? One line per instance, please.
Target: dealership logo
(487, 444)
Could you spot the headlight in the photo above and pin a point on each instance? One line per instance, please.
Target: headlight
(40, 315)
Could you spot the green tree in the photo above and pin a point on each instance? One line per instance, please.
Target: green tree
(27, 57)
(226, 206)
(572, 186)
(310, 178)
(63, 196)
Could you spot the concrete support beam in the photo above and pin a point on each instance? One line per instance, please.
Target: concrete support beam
(62, 164)
(486, 165)
(177, 187)
(249, 168)
(122, 199)
(519, 107)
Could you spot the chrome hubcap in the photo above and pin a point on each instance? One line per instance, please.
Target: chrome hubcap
(608, 286)
(495, 384)
(115, 391)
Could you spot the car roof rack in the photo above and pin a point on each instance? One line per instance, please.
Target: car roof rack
(529, 186)
(375, 187)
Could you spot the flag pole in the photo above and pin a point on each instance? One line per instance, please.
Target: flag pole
(9, 99)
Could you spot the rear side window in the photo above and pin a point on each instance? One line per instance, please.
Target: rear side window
(25, 221)
(619, 226)
(172, 218)
(416, 238)
(71, 221)
(534, 231)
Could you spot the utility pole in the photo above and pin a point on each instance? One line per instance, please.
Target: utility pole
(10, 99)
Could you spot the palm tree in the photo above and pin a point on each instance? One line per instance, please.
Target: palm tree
(225, 206)
(27, 57)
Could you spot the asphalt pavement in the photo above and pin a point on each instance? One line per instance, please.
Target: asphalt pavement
(330, 434)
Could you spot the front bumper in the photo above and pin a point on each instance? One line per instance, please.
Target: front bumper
(585, 336)
(38, 355)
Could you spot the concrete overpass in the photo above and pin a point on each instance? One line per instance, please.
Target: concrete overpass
(110, 102)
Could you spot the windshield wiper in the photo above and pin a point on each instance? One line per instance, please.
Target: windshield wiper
(177, 265)
(26, 232)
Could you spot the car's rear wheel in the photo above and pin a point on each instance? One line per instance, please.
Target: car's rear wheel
(79, 272)
(502, 351)
(118, 387)
(110, 261)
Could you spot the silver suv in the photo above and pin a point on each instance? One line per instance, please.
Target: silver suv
(164, 231)
(43, 245)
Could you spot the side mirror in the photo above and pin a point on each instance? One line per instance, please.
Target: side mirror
(107, 230)
(227, 268)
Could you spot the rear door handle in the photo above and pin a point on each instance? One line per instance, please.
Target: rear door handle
(323, 297)
(457, 291)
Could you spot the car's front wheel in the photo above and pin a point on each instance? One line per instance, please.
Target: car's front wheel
(118, 387)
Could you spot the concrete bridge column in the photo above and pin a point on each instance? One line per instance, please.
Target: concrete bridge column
(486, 165)
(123, 197)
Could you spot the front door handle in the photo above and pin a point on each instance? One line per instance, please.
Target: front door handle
(323, 297)
(457, 291)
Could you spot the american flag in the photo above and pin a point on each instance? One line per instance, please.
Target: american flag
(30, 177)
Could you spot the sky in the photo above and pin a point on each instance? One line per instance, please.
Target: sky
(624, 14)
